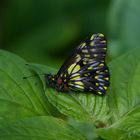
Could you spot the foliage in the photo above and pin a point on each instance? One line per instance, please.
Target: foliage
(27, 106)
(123, 25)
(30, 110)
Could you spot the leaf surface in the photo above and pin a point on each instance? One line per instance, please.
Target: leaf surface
(41, 127)
(20, 97)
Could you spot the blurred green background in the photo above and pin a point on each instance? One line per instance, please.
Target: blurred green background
(46, 31)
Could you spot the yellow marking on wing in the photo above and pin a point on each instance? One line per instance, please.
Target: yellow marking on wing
(99, 92)
(101, 35)
(78, 58)
(106, 78)
(103, 41)
(96, 77)
(65, 75)
(95, 55)
(101, 64)
(71, 67)
(71, 84)
(65, 80)
(90, 60)
(84, 62)
(92, 37)
(90, 68)
(97, 71)
(105, 87)
(75, 74)
(85, 51)
(79, 83)
(85, 74)
(83, 45)
(80, 87)
(53, 79)
(76, 77)
(77, 68)
(87, 55)
(97, 84)
(92, 43)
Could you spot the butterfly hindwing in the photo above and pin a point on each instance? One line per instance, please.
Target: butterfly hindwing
(91, 77)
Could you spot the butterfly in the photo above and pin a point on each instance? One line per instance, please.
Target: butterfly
(85, 70)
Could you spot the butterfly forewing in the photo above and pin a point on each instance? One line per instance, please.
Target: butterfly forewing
(85, 69)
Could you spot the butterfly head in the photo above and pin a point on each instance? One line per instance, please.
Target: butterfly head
(50, 80)
(55, 82)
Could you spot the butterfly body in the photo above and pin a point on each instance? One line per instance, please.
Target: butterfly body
(85, 70)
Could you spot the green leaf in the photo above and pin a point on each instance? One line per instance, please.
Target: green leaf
(86, 128)
(124, 89)
(127, 127)
(124, 23)
(20, 97)
(41, 70)
(123, 98)
(81, 106)
(39, 128)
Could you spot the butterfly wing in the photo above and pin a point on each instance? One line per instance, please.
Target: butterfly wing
(91, 77)
(86, 70)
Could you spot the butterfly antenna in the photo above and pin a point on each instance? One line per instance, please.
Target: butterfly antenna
(25, 77)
